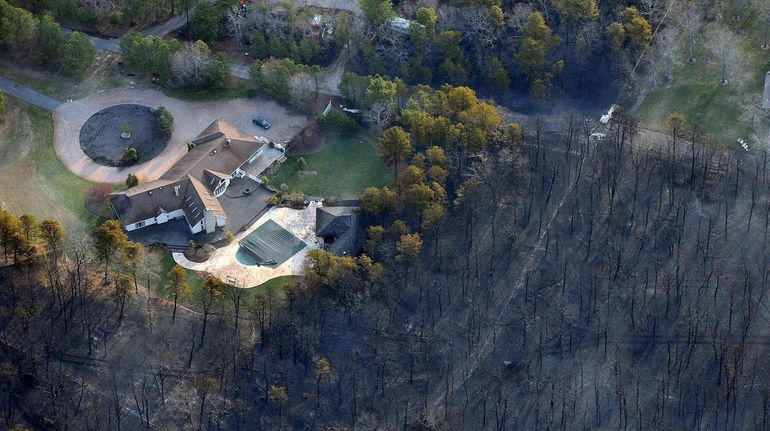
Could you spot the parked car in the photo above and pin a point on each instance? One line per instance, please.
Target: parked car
(261, 122)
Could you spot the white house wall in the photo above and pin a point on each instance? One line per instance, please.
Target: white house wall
(133, 226)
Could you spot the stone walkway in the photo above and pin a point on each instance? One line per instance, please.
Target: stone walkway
(224, 265)
(190, 118)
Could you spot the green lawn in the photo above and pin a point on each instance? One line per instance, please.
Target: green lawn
(696, 91)
(38, 183)
(346, 165)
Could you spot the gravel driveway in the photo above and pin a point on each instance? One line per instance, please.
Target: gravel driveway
(190, 118)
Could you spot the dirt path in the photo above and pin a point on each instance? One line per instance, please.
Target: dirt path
(189, 119)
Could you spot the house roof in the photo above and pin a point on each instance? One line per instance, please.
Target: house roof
(188, 194)
(333, 220)
(188, 184)
(218, 148)
(342, 224)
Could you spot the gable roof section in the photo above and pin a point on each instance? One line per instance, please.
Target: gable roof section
(189, 183)
(333, 221)
(213, 153)
(343, 224)
(189, 195)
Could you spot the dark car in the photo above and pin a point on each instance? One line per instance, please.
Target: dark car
(261, 122)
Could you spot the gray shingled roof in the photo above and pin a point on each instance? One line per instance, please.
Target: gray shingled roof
(195, 175)
(342, 224)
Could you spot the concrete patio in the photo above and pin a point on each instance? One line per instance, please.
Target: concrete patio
(224, 265)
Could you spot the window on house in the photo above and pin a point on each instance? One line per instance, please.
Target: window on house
(140, 224)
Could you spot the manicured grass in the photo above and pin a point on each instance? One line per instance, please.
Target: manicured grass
(38, 183)
(346, 165)
(714, 109)
(696, 91)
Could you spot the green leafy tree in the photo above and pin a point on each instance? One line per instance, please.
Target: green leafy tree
(377, 12)
(535, 46)
(499, 76)
(577, 11)
(9, 228)
(374, 236)
(534, 52)
(29, 226)
(380, 89)
(427, 17)
(408, 249)
(636, 26)
(211, 293)
(218, 75)
(395, 145)
(109, 239)
(177, 287)
(77, 54)
(454, 65)
(617, 34)
(52, 235)
(205, 22)
(49, 39)
(133, 258)
(344, 29)
(399, 228)
(514, 134)
(149, 54)
(17, 26)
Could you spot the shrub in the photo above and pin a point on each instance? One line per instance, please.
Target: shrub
(229, 236)
(302, 163)
(338, 121)
(129, 156)
(164, 121)
(132, 180)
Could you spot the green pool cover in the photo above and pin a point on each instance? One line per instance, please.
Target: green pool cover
(271, 245)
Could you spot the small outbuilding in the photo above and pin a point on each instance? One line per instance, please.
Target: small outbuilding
(338, 229)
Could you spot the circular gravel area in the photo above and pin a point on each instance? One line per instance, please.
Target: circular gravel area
(101, 141)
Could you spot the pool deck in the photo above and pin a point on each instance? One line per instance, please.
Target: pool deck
(224, 265)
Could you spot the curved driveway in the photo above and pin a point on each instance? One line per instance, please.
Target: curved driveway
(190, 118)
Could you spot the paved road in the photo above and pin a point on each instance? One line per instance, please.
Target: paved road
(28, 95)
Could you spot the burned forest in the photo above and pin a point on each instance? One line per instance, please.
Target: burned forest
(574, 283)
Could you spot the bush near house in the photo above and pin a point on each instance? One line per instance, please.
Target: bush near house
(164, 121)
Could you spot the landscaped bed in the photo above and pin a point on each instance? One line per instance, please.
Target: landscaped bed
(344, 167)
(108, 134)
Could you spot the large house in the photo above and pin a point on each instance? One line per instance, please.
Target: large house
(191, 187)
